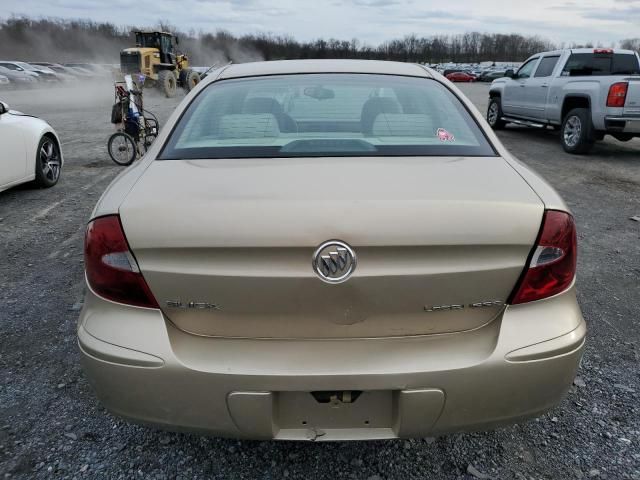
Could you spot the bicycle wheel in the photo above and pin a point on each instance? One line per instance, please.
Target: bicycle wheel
(122, 148)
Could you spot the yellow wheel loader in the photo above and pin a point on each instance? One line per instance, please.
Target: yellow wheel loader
(155, 56)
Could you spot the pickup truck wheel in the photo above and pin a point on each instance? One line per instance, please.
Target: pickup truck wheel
(494, 114)
(577, 131)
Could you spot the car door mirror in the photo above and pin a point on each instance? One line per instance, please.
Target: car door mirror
(4, 108)
(510, 73)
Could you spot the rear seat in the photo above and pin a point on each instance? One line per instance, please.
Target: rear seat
(374, 107)
(402, 125)
(244, 125)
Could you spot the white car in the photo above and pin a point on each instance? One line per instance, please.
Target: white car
(17, 68)
(30, 150)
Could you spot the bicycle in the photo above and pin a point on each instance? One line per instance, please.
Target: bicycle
(137, 128)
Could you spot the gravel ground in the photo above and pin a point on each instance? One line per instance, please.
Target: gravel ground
(51, 425)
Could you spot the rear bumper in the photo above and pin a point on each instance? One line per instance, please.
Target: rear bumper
(622, 124)
(518, 366)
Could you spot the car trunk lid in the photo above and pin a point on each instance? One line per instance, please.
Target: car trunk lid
(226, 245)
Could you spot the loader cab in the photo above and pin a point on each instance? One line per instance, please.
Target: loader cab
(164, 42)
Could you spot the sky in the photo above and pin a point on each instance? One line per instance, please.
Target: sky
(370, 21)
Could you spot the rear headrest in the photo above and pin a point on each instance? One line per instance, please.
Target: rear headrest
(262, 105)
(248, 126)
(375, 106)
(403, 125)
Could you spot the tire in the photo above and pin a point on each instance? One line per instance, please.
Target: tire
(48, 163)
(576, 133)
(122, 148)
(191, 79)
(494, 114)
(167, 83)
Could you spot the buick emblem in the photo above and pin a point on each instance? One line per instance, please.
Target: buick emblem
(334, 261)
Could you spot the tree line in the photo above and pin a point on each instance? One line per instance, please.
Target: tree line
(57, 40)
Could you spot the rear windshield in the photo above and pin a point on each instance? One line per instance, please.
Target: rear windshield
(325, 115)
(581, 64)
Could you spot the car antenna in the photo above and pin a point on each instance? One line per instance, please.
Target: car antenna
(212, 67)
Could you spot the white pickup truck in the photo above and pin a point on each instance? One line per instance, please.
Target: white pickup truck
(586, 93)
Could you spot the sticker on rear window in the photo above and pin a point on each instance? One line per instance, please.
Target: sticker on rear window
(445, 136)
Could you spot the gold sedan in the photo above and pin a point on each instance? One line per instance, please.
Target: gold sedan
(329, 250)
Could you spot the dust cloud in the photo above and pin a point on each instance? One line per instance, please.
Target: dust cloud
(81, 41)
(64, 41)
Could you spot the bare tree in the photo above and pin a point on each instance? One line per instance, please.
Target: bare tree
(631, 44)
(54, 39)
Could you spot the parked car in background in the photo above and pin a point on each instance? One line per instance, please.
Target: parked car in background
(348, 252)
(587, 93)
(80, 72)
(30, 150)
(61, 69)
(111, 68)
(491, 75)
(44, 74)
(63, 73)
(13, 66)
(95, 69)
(460, 77)
(18, 78)
(86, 72)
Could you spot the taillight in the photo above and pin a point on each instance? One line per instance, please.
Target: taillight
(552, 266)
(603, 51)
(112, 270)
(617, 94)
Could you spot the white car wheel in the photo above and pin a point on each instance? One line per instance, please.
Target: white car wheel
(48, 163)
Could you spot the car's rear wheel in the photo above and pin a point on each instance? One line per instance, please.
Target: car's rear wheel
(577, 131)
(494, 114)
(48, 163)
